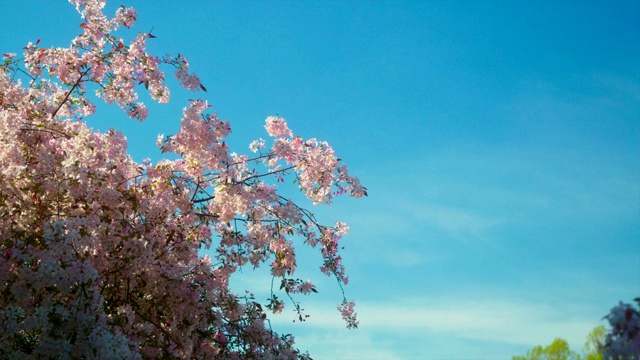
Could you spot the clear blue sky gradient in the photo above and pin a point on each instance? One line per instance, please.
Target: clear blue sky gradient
(499, 141)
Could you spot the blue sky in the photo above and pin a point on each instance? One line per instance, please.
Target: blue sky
(499, 141)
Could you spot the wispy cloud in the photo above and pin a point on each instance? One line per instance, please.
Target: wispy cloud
(456, 222)
(488, 324)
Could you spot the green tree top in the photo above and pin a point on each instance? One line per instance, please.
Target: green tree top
(559, 349)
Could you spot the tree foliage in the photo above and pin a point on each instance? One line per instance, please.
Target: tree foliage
(623, 341)
(594, 344)
(99, 255)
(557, 350)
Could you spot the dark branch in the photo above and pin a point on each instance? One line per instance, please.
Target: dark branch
(70, 91)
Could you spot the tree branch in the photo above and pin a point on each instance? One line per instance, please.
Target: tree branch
(70, 91)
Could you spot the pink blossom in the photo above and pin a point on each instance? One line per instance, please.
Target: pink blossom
(277, 127)
(126, 16)
(348, 314)
(189, 81)
(256, 145)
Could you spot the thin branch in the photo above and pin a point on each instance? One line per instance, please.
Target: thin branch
(70, 91)
(265, 174)
(204, 199)
(52, 131)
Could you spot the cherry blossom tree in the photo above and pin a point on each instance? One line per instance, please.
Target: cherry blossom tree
(623, 340)
(100, 255)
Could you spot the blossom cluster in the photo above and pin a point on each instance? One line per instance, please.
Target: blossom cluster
(99, 255)
(317, 168)
(348, 314)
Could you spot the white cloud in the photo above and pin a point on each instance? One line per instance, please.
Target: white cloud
(398, 329)
(350, 345)
(514, 322)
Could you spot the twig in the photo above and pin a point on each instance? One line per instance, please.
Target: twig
(70, 91)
